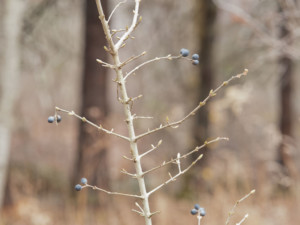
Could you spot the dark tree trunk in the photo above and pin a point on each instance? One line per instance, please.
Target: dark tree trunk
(206, 14)
(286, 71)
(206, 26)
(286, 66)
(92, 153)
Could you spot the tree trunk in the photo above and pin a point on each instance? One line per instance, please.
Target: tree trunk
(91, 155)
(286, 71)
(14, 10)
(206, 26)
(206, 14)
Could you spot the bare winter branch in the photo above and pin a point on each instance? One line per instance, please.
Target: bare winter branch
(113, 11)
(114, 51)
(242, 220)
(183, 156)
(152, 149)
(83, 119)
(173, 178)
(113, 193)
(141, 212)
(236, 204)
(169, 57)
(132, 27)
(104, 64)
(142, 117)
(201, 104)
(133, 58)
(117, 66)
(127, 173)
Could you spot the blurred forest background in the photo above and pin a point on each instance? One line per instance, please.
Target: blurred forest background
(48, 51)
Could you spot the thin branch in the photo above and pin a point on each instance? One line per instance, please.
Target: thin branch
(141, 212)
(152, 149)
(114, 31)
(113, 193)
(169, 57)
(104, 64)
(129, 100)
(178, 162)
(174, 177)
(132, 27)
(152, 214)
(236, 204)
(138, 212)
(193, 112)
(142, 117)
(133, 58)
(183, 156)
(112, 12)
(135, 98)
(242, 220)
(205, 144)
(106, 28)
(127, 173)
(137, 204)
(199, 219)
(125, 157)
(83, 119)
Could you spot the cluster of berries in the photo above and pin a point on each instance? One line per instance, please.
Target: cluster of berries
(56, 118)
(83, 181)
(198, 210)
(185, 52)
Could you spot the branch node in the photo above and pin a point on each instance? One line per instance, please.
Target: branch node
(212, 93)
(125, 157)
(152, 214)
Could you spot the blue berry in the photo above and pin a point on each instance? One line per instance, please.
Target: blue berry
(78, 187)
(51, 119)
(195, 62)
(195, 57)
(83, 180)
(194, 211)
(58, 118)
(202, 211)
(197, 206)
(184, 52)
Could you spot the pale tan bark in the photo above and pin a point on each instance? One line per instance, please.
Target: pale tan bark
(10, 74)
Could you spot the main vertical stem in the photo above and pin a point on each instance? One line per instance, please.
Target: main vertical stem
(133, 144)
(129, 118)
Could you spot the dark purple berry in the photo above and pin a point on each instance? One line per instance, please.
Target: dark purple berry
(195, 62)
(78, 187)
(184, 52)
(197, 206)
(194, 211)
(58, 118)
(195, 57)
(202, 211)
(51, 119)
(83, 180)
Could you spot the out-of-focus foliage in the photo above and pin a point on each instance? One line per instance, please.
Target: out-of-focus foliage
(247, 112)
